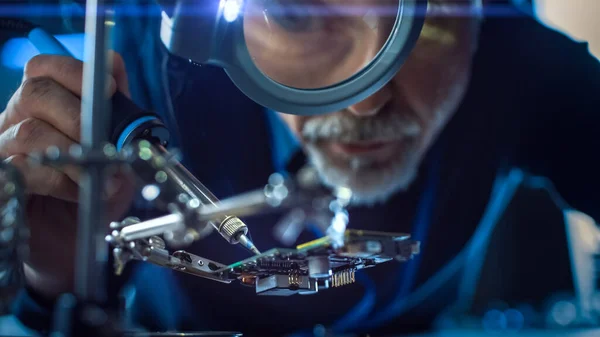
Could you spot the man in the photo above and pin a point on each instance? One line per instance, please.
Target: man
(422, 154)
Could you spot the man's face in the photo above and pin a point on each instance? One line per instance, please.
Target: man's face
(375, 147)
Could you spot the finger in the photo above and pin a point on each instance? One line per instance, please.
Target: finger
(34, 135)
(119, 72)
(45, 99)
(65, 70)
(44, 180)
(120, 194)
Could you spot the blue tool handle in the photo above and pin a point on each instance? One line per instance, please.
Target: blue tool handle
(46, 43)
(127, 120)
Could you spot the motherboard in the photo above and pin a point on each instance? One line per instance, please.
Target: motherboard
(310, 267)
(319, 264)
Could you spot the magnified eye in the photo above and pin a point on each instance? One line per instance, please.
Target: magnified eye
(296, 16)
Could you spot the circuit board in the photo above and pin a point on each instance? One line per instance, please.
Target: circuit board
(319, 264)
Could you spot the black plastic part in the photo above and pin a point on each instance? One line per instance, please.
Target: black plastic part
(153, 131)
(125, 112)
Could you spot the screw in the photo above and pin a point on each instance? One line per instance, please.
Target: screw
(183, 198)
(109, 150)
(53, 152)
(131, 220)
(160, 177)
(193, 203)
(156, 242)
(10, 188)
(76, 151)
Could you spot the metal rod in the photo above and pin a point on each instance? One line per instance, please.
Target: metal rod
(249, 203)
(156, 226)
(252, 203)
(179, 181)
(92, 252)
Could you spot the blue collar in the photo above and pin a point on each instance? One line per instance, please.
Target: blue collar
(284, 143)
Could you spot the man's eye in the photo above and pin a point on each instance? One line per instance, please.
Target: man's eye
(295, 16)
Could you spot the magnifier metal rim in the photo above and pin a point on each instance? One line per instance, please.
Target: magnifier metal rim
(252, 82)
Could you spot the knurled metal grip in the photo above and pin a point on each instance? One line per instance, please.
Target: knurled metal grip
(231, 227)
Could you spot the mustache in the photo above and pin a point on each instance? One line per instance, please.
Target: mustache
(385, 126)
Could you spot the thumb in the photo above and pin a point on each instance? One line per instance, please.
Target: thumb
(119, 72)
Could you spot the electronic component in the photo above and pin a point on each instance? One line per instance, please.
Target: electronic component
(318, 264)
(311, 267)
(330, 261)
(285, 285)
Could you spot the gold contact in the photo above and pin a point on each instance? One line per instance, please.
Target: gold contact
(349, 234)
(342, 278)
(294, 279)
(324, 241)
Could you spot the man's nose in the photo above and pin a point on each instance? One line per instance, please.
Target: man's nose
(372, 104)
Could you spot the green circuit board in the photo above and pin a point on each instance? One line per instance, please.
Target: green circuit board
(361, 249)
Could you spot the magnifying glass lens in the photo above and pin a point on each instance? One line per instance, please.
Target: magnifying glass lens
(313, 44)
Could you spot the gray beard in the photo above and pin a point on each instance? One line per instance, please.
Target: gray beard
(370, 185)
(371, 182)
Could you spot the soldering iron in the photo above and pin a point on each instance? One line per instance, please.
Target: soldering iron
(129, 123)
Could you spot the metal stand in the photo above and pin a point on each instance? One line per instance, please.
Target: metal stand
(90, 262)
(82, 313)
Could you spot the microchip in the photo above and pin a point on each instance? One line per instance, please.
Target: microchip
(285, 285)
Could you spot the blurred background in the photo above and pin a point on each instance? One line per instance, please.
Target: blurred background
(576, 18)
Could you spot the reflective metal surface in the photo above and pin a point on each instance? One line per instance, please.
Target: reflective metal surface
(175, 189)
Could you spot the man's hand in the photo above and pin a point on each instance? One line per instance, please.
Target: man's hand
(45, 111)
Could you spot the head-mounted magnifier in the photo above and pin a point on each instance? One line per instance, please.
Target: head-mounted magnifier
(301, 57)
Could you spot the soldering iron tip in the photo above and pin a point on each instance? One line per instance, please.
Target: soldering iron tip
(255, 250)
(244, 241)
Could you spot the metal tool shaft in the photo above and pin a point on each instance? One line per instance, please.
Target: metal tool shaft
(156, 226)
(179, 186)
(92, 252)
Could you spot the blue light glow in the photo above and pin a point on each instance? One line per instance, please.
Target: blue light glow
(494, 320)
(16, 52)
(514, 319)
